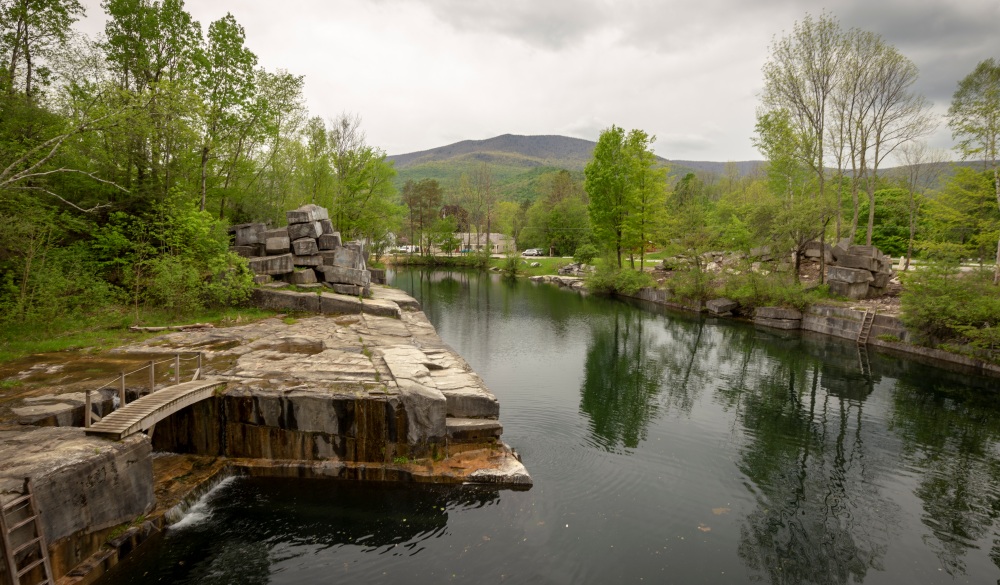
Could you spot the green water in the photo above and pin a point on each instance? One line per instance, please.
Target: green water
(664, 448)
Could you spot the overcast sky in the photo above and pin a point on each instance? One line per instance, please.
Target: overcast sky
(425, 73)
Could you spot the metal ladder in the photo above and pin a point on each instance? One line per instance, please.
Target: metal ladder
(866, 326)
(22, 513)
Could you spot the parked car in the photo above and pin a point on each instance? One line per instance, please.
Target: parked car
(533, 252)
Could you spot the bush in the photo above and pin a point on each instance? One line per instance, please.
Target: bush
(752, 290)
(585, 253)
(611, 280)
(943, 305)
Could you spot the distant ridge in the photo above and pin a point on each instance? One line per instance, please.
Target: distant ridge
(553, 151)
(548, 151)
(520, 163)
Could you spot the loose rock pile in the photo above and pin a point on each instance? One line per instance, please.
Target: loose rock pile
(308, 252)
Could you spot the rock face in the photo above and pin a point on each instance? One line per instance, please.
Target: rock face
(81, 484)
(368, 381)
(778, 318)
(307, 241)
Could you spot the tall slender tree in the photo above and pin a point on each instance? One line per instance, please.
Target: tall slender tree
(974, 118)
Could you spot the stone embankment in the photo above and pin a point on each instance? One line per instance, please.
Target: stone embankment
(347, 387)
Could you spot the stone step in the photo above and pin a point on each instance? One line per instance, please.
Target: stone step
(473, 429)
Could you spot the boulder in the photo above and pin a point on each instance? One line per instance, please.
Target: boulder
(277, 245)
(305, 247)
(272, 265)
(329, 241)
(848, 275)
(307, 276)
(304, 230)
(306, 214)
(721, 306)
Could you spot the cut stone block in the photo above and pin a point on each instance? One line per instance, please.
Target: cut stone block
(881, 280)
(304, 230)
(787, 324)
(777, 313)
(276, 233)
(329, 241)
(720, 306)
(377, 275)
(875, 291)
(848, 275)
(311, 261)
(868, 251)
(306, 214)
(349, 257)
(245, 251)
(272, 264)
(861, 262)
(307, 276)
(348, 289)
(305, 247)
(250, 233)
(327, 226)
(277, 245)
(284, 300)
(344, 275)
(262, 278)
(463, 430)
(851, 290)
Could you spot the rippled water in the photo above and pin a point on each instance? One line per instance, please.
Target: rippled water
(664, 448)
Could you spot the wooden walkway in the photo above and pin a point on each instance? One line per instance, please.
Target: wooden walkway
(145, 412)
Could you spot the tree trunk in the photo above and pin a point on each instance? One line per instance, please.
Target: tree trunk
(996, 185)
(204, 174)
(871, 215)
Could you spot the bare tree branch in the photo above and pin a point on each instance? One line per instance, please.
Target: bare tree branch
(71, 204)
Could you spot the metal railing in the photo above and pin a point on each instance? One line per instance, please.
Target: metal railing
(88, 413)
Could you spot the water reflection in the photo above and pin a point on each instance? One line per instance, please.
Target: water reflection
(951, 434)
(820, 516)
(262, 528)
(624, 372)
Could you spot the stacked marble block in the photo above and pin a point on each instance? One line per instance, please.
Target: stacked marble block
(859, 272)
(307, 252)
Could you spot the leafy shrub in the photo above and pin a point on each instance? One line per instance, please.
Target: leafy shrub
(752, 290)
(585, 253)
(610, 280)
(943, 305)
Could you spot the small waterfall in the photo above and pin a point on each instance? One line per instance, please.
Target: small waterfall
(195, 507)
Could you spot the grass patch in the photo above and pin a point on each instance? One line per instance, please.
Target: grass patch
(107, 330)
(546, 265)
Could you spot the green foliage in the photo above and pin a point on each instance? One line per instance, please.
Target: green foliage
(609, 279)
(753, 290)
(944, 305)
(891, 231)
(558, 220)
(585, 253)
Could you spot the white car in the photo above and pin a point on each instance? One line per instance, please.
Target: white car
(533, 252)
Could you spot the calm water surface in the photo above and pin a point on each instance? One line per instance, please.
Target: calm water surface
(664, 448)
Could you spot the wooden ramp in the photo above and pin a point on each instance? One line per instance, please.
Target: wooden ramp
(145, 412)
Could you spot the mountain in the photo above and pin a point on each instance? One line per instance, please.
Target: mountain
(519, 162)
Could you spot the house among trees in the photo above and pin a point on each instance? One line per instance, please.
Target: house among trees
(498, 243)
